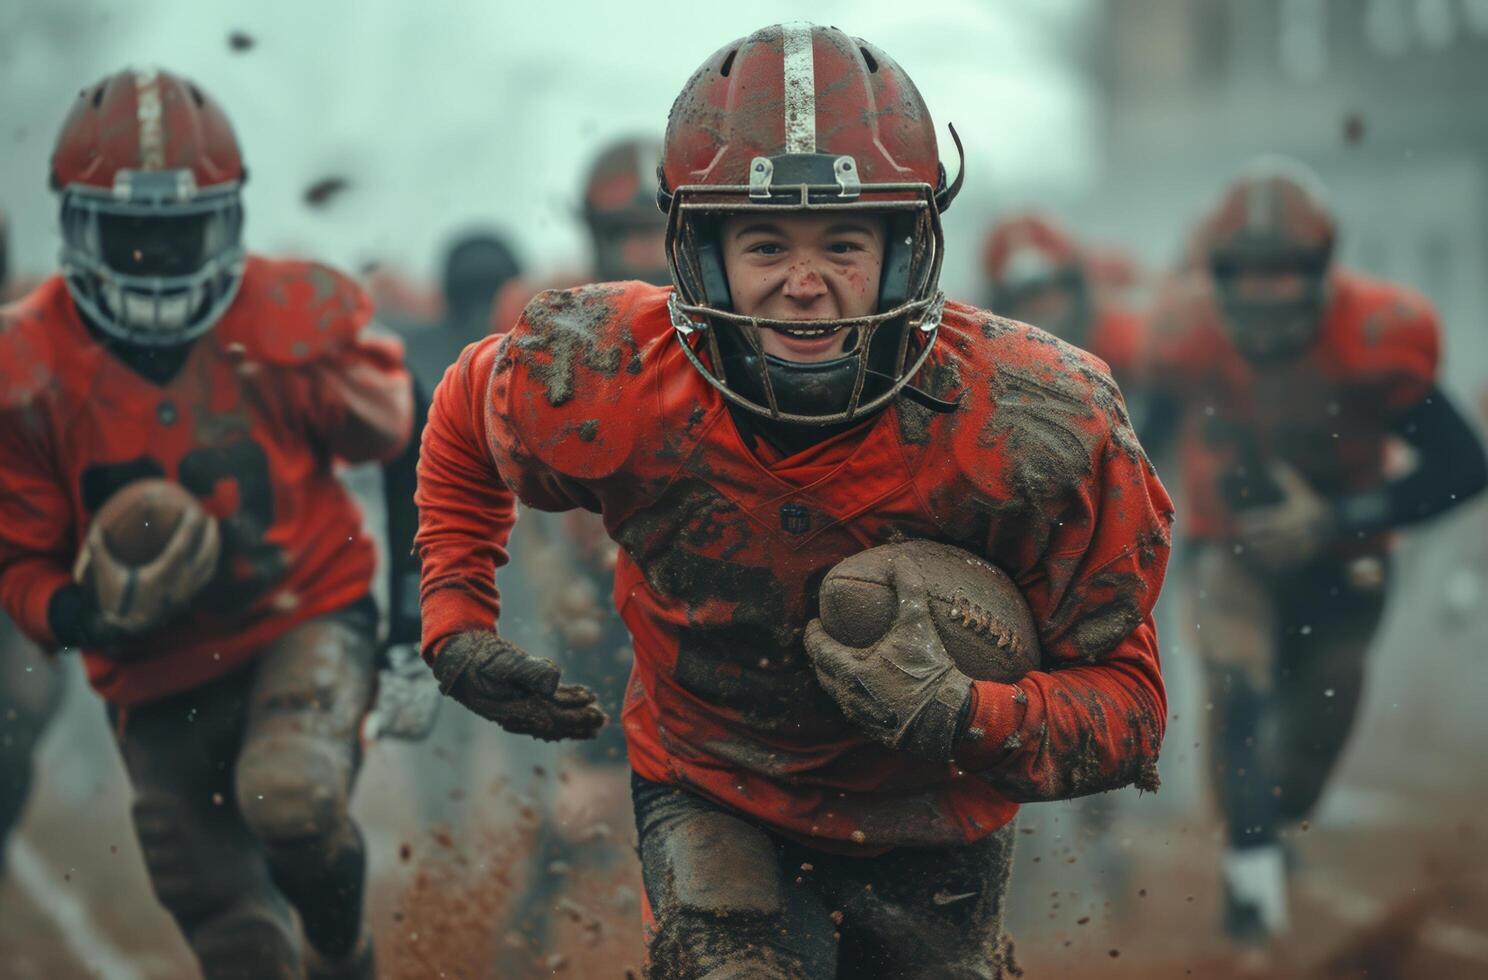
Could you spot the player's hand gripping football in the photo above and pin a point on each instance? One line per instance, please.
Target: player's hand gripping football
(1289, 533)
(904, 690)
(127, 600)
(500, 681)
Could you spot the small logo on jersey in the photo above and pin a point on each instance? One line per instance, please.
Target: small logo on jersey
(166, 412)
(794, 519)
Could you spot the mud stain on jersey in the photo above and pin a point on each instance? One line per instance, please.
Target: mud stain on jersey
(747, 659)
(569, 328)
(939, 381)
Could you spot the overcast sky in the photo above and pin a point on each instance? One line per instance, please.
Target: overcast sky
(446, 113)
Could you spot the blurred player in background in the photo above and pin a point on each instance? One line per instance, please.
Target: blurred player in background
(1291, 377)
(237, 662)
(1035, 271)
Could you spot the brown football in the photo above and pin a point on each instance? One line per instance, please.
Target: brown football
(138, 520)
(980, 614)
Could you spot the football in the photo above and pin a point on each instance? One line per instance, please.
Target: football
(139, 519)
(980, 614)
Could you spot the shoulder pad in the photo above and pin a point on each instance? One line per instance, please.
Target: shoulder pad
(29, 352)
(1038, 414)
(294, 312)
(573, 375)
(1388, 334)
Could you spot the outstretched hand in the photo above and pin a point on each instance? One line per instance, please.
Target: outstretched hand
(501, 682)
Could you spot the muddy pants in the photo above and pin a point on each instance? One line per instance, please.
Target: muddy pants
(1284, 659)
(241, 790)
(30, 691)
(729, 899)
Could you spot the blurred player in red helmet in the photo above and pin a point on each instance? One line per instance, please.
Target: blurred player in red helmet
(165, 350)
(1291, 376)
(1036, 272)
(805, 392)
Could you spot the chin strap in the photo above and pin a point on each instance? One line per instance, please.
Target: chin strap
(920, 397)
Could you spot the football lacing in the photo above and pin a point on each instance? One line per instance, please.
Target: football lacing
(983, 622)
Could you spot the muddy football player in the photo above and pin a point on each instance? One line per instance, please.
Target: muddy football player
(804, 392)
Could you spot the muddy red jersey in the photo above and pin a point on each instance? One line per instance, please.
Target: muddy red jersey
(589, 402)
(1326, 412)
(507, 308)
(281, 386)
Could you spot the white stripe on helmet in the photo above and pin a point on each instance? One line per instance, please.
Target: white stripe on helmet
(149, 114)
(800, 89)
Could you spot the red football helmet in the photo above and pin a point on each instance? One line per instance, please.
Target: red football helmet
(149, 172)
(627, 229)
(804, 118)
(1036, 273)
(1269, 243)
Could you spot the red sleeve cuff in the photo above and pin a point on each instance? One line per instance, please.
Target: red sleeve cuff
(449, 611)
(992, 724)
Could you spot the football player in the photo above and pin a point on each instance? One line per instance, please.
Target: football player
(803, 392)
(163, 350)
(1291, 376)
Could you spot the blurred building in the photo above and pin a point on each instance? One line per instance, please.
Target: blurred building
(1382, 97)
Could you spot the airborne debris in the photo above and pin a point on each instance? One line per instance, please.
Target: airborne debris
(320, 193)
(240, 41)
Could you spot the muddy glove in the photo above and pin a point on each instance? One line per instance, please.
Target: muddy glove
(904, 690)
(136, 599)
(1290, 533)
(500, 681)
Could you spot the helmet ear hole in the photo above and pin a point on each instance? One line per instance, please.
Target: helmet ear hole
(714, 274)
(728, 63)
(871, 61)
(894, 285)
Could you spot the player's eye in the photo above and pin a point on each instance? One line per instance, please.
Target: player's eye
(844, 247)
(766, 248)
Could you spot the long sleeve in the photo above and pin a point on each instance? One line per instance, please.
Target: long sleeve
(37, 538)
(466, 512)
(361, 399)
(1094, 718)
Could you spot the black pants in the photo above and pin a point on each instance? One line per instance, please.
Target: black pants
(1284, 657)
(241, 792)
(731, 899)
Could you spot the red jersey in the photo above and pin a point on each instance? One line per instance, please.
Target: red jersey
(282, 385)
(1325, 412)
(589, 402)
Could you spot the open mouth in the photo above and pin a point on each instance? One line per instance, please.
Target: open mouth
(808, 333)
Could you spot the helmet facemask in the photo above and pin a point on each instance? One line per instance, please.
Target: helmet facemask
(154, 262)
(888, 346)
(1267, 329)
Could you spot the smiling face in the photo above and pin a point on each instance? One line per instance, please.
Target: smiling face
(803, 267)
